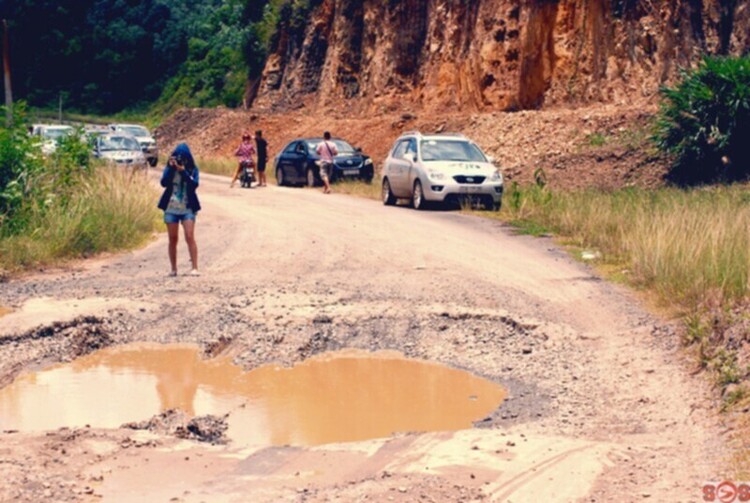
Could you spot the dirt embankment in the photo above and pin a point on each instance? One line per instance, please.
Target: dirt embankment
(602, 146)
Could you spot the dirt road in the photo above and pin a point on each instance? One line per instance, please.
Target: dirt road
(602, 406)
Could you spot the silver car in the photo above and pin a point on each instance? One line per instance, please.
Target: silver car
(440, 168)
(143, 137)
(51, 135)
(120, 148)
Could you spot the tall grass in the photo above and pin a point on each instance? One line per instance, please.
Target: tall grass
(683, 244)
(111, 209)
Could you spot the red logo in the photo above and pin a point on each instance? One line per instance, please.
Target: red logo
(726, 492)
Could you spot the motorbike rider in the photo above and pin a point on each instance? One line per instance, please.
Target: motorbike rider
(245, 152)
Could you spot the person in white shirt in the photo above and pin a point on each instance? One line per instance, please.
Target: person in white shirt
(326, 150)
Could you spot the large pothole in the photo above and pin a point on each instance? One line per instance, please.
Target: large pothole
(333, 397)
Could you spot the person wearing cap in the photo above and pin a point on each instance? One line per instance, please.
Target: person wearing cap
(245, 152)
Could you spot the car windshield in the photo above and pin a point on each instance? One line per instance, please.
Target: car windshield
(451, 150)
(135, 130)
(341, 146)
(57, 133)
(110, 143)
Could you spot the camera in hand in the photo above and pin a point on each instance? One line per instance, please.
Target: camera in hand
(178, 160)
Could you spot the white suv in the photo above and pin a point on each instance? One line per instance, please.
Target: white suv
(440, 168)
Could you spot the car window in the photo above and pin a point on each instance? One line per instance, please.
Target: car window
(57, 133)
(411, 146)
(301, 148)
(343, 147)
(290, 148)
(110, 143)
(400, 149)
(451, 150)
(135, 130)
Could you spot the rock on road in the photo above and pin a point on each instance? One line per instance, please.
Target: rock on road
(602, 405)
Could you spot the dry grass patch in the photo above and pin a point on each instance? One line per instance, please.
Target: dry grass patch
(111, 209)
(358, 188)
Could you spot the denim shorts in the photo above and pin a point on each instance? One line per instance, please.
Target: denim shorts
(171, 218)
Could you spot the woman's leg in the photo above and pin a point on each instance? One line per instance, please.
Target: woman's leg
(188, 227)
(173, 230)
(236, 175)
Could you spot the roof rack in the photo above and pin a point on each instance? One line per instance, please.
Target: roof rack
(460, 135)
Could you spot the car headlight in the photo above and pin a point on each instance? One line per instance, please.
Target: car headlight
(436, 175)
(497, 177)
(368, 162)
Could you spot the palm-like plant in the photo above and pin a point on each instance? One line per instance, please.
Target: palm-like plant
(704, 121)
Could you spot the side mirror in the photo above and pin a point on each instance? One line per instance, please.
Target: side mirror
(358, 149)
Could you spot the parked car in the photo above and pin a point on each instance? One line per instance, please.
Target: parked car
(94, 132)
(144, 138)
(295, 164)
(120, 148)
(50, 135)
(440, 168)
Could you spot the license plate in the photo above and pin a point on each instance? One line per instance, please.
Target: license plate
(348, 172)
(470, 190)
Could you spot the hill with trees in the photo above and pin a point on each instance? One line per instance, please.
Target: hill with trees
(103, 56)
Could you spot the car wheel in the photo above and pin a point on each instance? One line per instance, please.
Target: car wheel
(488, 204)
(498, 205)
(280, 180)
(310, 177)
(152, 162)
(388, 198)
(417, 196)
(367, 180)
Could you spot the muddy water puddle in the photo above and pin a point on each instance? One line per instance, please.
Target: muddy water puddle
(338, 397)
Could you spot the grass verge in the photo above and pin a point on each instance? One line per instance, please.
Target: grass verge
(112, 209)
(690, 249)
(358, 188)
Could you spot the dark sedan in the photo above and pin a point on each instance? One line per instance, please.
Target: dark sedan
(295, 165)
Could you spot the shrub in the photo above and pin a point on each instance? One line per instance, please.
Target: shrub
(20, 160)
(65, 205)
(704, 121)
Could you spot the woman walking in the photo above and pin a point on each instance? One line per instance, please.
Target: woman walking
(180, 204)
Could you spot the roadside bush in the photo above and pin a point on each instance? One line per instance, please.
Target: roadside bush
(65, 205)
(20, 160)
(704, 122)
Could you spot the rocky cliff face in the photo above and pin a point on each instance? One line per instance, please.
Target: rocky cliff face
(374, 55)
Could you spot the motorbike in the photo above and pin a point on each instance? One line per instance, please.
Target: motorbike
(247, 175)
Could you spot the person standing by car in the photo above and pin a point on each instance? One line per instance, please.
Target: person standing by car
(261, 146)
(180, 204)
(326, 150)
(245, 152)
